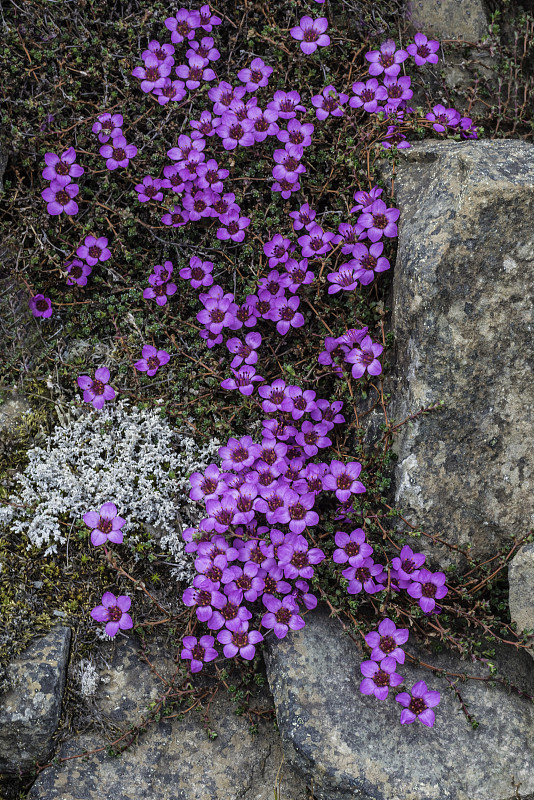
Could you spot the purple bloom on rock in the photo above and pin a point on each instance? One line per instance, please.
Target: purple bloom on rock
(113, 612)
(388, 59)
(152, 360)
(97, 391)
(345, 278)
(418, 705)
(296, 558)
(424, 51)
(380, 221)
(343, 479)
(443, 118)
(105, 524)
(119, 153)
(329, 102)
(281, 615)
(365, 358)
(398, 89)
(368, 95)
(59, 197)
(378, 678)
(387, 640)
(316, 242)
(428, 587)
(94, 250)
(368, 261)
(311, 34)
(205, 595)
(77, 272)
(107, 125)
(365, 200)
(362, 576)
(40, 306)
(197, 651)
(240, 641)
(63, 165)
(303, 218)
(394, 138)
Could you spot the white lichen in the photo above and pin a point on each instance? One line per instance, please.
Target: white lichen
(87, 677)
(122, 454)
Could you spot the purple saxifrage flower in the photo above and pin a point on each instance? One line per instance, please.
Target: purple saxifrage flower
(107, 125)
(379, 221)
(105, 524)
(351, 547)
(77, 272)
(367, 95)
(243, 380)
(119, 153)
(365, 358)
(62, 165)
(160, 292)
(343, 479)
(406, 566)
(329, 102)
(423, 50)
(367, 262)
(152, 360)
(59, 197)
(198, 651)
(427, 588)
(96, 391)
(387, 640)
(255, 76)
(443, 118)
(362, 576)
(311, 34)
(388, 59)
(378, 678)
(240, 641)
(94, 250)
(418, 705)
(149, 189)
(113, 612)
(281, 615)
(40, 306)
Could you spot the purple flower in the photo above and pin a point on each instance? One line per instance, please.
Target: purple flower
(198, 272)
(40, 306)
(362, 576)
(216, 313)
(311, 33)
(161, 274)
(223, 94)
(343, 479)
(149, 190)
(274, 284)
(328, 412)
(365, 200)
(312, 437)
(388, 59)
(183, 25)
(239, 453)
(107, 125)
(154, 72)
(240, 641)
(398, 89)
(277, 249)
(286, 104)
(198, 205)
(263, 123)
(427, 587)
(281, 615)
(298, 133)
(303, 402)
(176, 217)
(163, 52)
(105, 524)
(235, 226)
(351, 547)
(296, 559)
(368, 261)
(418, 705)
(380, 221)
(303, 218)
(58, 197)
(96, 391)
(423, 51)
(256, 76)
(329, 102)
(234, 131)
(443, 117)
(62, 165)
(275, 397)
(206, 125)
(378, 679)
(77, 272)
(243, 380)
(244, 352)
(288, 166)
(198, 651)
(285, 187)
(286, 315)
(94, 250)
(386, 641)
(195, 72)
(113, 611)
(208, 485)
(247, 583)
(299, 274)
(207, 19)
(119, 153)
(316, 242)
(205, 49)
(394, 138)
(231, 616)
(365, 358)
(203, 594)
(367, 95)
(406, 566)
(209, 176)
(160, 292)
(345, 278)
(152, 360)
(297, 510)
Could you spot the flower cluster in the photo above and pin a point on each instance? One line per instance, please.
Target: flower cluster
(60, 194)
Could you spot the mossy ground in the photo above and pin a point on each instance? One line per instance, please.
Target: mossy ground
(63, 64)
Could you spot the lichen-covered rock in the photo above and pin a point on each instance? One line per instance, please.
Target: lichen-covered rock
(173, 759)
(352, 747)
(521, 583)
(449, 19)
(30, 710)
(463, 324)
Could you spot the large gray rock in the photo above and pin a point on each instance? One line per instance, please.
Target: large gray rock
(173, 759)
(30, 710)
(521, 583)
(352, 747)
(449, 19)
(463, 324)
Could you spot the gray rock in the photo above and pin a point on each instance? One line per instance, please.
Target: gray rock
(449, 19)
(352, 747)
(30, 710)
(173, 759)
(463, 323)
(521, 582)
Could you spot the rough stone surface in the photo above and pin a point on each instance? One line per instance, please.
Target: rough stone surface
(30, 710)
(173, 759)
(521, 582)
(463, 324)
(352, 747)
(449, 19)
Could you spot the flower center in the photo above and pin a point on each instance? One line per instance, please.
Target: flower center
(408, 566)
(291, 164)
(114, 613)
(256, 75)
(330, 103)
(261, 124)
(387, 59)
(279, 250)
(176, 180)
(266, 478)
(152, 362)
(217, 315)
(367, 357)
(203, 51)
(395, 91)
(198, 652)
(287, 105)
(235, 132)
(367, 95)
(244, 504)
(240, 639)
(352, 549)
(151, 191)
(98, 387)
(62, 168)
(41, 305)
(417, 705)
(423, 51)
(119, 154)
(381, 678)
(224, 516)
(200, 206)
(62, 197)
(104, 525)
(387, 644)
(368, 262)
(183, 28)
(310, 35)
(287, 314)
(274, 502)
(203, 598)
(229, 611)
(429, 589)
(214, 573)
(283, 615)
(256, 555)
(296, 137)
(195, 73)
(297, 511)
(209, 486)
(380, 221)
(152, 74)
(221, 206)
(346, 277)
(344, 482)
(197, 273)
(244, 583)
(311, 437)
(273, 287)
(299, 560)
(270, 584)
(362, 574)
(76, 272)
(233, 228)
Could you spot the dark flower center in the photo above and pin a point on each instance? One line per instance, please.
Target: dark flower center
(62, 168)
(423, 51)
(119, 153)
(270, 584)
(176, 180)
(294, 452)
(283, 615)
(311, 437)
(279, 250)
(273, 287)
(104, 525)
(263, 306)
(107, 125)
(197, 273)
(381, 678)
(362, 574)
(287, 314)
(429, 589)
(243, 379)
(183, 28)
(352, 549)
(76, 272)
(199, 206)
(407, 565)
(41, 305)
(299, 560)
(387, 644)
(243, 583)
(224, 516)
(256, 555)
(367, 357)
(350, 237)
(151, 191)
(395, 91)
(205, 127)
(287, 105)
(244, 504)
(98, 387)
(316, 243)
(368, 262)
(211, 175)
(208, 486)
(195, 73)
(297, 511)
(296, 137)
(233, 228)
(114, 613)
(198, 652)
(152, 362)
(241, 113)
(152, 74)
(278, 394)
(160, 54)
(235, 132)
(214, 573)
(330, 103)
(387, 59)
(269, 456)
(229, 611)
(291, 164)
(367, 95)
(315, 484)
(240, 639)
(242, 314)
(203, 50)
(226, 99)
(221, 206)
(286, 185)
(274, 502)
(217, 315)
(380, 221)
(291, 474)
(266, 478)
(346, 277)
(310, 35)
(344, 481)
(300, 403)
(62, 197)
(95, 251)
(256, 75)
(203, 598)
(417, 705)
(261, 124)
(159, 291)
